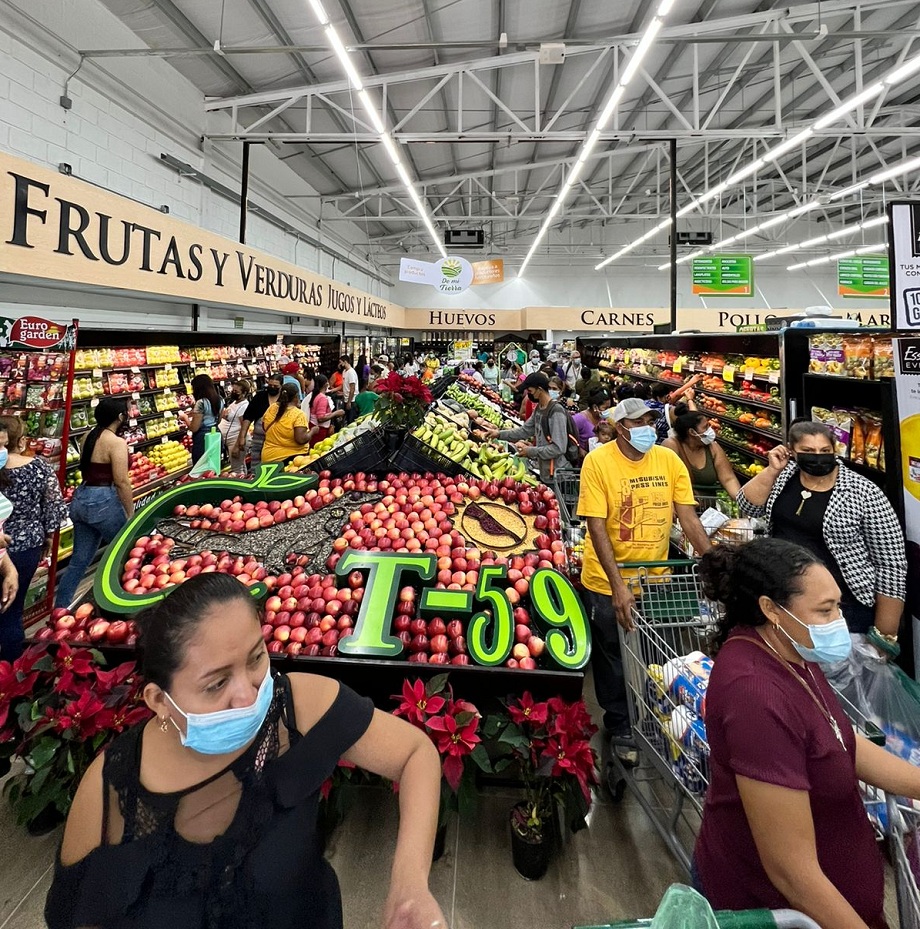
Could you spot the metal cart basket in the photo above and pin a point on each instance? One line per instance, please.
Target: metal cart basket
(747, 919)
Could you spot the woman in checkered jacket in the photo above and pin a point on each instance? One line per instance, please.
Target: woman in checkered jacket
(845, 519)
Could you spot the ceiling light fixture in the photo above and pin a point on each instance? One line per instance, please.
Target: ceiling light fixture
(866, 250)
(895, 76)
(823, 239)
(632, 66)
(376, 120)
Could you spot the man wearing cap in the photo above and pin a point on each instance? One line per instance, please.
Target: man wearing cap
(533, 366)
(547, 429)
(631, 489)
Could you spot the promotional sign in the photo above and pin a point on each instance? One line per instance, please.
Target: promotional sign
(35, 332)
(462, 349)
(904, 241)
(863, 276)
(488, 272)
(449, 275)
(62, 229)
(907, 386)
(723, 276)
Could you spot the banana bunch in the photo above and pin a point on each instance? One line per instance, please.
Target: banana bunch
(478, 404)
(445, 437)
(494, 462)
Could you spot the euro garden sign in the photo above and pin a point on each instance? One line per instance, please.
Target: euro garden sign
(487, 612)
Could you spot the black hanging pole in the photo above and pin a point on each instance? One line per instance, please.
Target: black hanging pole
(244, 191)
(672, 149)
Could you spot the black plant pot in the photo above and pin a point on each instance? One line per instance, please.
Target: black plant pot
(530, 855)
(394, 439)
(45, 821)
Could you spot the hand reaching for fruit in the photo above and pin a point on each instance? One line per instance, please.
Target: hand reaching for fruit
(421, 911)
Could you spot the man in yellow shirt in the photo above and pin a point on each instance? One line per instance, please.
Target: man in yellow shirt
(631, 489)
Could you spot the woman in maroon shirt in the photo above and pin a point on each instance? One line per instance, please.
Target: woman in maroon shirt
(784, 824)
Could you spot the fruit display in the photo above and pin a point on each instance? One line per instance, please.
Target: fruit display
(743, 415)
(486, 403)
(142, 470)
(171, 456)
(446, 433)
(337, 439)
(392, 567)
(84, 626)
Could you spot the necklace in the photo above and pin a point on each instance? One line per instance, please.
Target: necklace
(811, 690)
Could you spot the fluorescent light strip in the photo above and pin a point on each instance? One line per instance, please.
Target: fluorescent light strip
(865, 250)
(632, 66)
(895, 76)
(374, 115)
(823, 239)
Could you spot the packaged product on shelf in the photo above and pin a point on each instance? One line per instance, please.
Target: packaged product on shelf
(86, 359)
(163, 354)
(841, 425)
(165, 377)
(858, 439)
(134, 434)
(52, 423)
(6, 366)
(881, 456)
(873, 439)
(830, 353)
(817, 358)
(125, 382)
(857, 353)
(882, 357)
(79, 417)
(129, 357)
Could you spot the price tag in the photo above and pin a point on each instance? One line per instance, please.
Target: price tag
(167, 414)
(135, 369)
(749, 374)
(167, 392)
(678, 366)
(135, 396)
(132, 422)
(207, 364)
(164, 439)
(709, 369)
(97, 373)
(94, 402)
(728, 374)
(773, 377)
(168, 366)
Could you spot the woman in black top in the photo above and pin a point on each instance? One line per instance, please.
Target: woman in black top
(258, 406)
(204, 817)
(842, 517)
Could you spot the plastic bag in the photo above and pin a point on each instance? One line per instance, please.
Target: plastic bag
(210, 460)
(882, 692)
(683, 908)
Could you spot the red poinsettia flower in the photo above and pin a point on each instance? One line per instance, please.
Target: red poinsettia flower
(416, 705)
(107, 681)
(574, 757)
(454, 740)
(526, 710)
(572, 719)
(80, 715)
(15, 681)
(72, 664)
(128, 716)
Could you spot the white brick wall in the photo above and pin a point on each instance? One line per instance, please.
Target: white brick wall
(125, 113)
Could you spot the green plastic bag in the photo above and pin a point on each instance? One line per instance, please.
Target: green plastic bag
(683, 908)
(210, 460)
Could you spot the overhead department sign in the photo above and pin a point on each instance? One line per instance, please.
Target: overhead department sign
(62, 229)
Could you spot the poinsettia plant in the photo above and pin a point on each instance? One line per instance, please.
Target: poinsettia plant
(401, 401)
(549, 743)
(453, 727)
(59, 707)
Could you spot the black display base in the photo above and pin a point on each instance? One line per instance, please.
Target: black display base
(380, 680)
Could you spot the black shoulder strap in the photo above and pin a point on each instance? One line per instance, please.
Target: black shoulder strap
(288, 710)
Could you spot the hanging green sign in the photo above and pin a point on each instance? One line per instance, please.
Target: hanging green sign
(863, 276)
(723, 276)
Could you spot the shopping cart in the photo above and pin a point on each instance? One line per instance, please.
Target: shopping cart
(671, 620)
(904, 842)
(746, 919)
(567, 485)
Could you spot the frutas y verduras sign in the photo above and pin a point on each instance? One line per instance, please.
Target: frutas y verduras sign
(62, 229)
(488, 613)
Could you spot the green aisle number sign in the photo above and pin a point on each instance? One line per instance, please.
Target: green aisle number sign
(863, 276)
(723, 276)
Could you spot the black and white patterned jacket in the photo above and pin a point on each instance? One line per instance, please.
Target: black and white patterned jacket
(861, 532)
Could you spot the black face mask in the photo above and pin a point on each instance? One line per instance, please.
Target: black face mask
(273, 391)
(531, 397)
(235, 398)
(817, 465)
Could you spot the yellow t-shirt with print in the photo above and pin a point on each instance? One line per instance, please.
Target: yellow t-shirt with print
(636, 498)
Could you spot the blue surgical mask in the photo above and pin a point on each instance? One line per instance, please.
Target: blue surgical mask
(707, 437)
(642, 438)
(554, 395)
(4, 457)
(607, 414)
(831, 641)
(226, 731)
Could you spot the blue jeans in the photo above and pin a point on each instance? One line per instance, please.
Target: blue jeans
(11, 635)
(97, 515)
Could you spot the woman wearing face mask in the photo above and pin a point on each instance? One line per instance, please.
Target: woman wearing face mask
(231, 424)
(695, 443)
(490, 372)
(38, 511)
(206, 814)
(590, 418)
(809, 498)
(104, 501)
(784, 825)
(257, 408)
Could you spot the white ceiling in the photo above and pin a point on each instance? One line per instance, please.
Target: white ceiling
(501, 175)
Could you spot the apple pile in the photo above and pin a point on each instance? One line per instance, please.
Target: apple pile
(84, 627)
(141, 470)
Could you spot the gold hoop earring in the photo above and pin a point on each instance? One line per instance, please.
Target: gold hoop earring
(164, 724)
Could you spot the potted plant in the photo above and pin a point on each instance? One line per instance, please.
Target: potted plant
(401, 405)
(59, 707)
(452, 725)
(548, 743)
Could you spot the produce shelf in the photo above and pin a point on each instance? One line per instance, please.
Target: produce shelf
(741, 448)
(767, 433)
(159, 438)
(832, 378)
(737, 398)
(144, 489)
(867, 470)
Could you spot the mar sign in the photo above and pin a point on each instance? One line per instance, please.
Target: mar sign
(383, 569)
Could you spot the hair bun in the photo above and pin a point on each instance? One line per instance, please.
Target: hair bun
(716, 573)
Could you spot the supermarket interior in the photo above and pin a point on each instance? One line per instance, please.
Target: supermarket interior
(459, 464)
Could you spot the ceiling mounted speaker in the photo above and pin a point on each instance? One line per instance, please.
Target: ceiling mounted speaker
(464, 238)
(552, 53)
